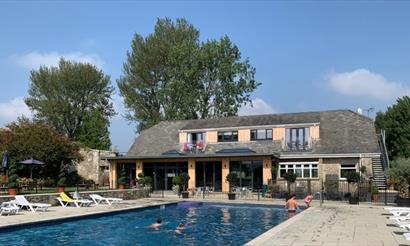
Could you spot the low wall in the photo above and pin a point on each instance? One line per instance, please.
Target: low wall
(128, 194)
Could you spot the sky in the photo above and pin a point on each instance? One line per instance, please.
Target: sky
(308, 55)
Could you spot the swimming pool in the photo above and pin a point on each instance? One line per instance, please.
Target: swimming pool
(206, 224)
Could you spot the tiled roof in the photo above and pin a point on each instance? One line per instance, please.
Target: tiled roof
(341, 132)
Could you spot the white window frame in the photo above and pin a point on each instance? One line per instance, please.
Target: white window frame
(303, 164)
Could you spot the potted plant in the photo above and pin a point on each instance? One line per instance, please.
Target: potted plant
(375, 193)
(353, 177)
(62, 180)
(12, 180)
(290, 178)
(122, 180)
(232, 178)
(184, 182)
(400, 173)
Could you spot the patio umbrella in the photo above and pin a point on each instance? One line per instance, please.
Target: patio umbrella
(32, 163)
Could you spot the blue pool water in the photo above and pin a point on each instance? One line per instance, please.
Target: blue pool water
(206, 224)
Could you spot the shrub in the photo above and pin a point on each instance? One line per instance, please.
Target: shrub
(184, 180)
(123, 177)
(232, 178)
(352, 177)
(375, 190)
(12, 183)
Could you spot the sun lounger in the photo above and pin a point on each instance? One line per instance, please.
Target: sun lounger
(9, 208)
(99, 199)
(407, 235)
(65, 200)
(22, 202)
(400, 212)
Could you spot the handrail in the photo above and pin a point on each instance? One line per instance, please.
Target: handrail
(383, 149)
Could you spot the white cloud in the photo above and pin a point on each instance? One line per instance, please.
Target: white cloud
(363, 83)
(11, 110)
(259, 107)
(34, 59)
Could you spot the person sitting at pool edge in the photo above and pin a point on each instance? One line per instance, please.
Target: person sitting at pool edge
(291, 204)
(308, 199)
(157, 224)
(180, 228)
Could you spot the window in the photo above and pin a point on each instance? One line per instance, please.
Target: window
(263, 134)
(302, 169)
(345, 168)
(231, 136)
(195, 137)
(297, 139)
(250, 173)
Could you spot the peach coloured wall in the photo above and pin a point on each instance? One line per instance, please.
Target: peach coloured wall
(244, 135)
(138, 167)
(278, 133)
(267, 173)
(314, 132)
(225, 171)
(211, 136)
(182, 137)
(191, 173)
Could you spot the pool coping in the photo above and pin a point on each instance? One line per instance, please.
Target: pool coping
(264, 237)
(81, 216)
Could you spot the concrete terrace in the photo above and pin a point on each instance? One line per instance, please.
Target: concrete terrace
(332, 224)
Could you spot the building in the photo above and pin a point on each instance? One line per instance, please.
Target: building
(314, 145)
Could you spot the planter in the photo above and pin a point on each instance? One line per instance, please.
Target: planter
(122, 187)
(231, 196)
(375, 197)
(12, 191)
(60, 189)
(403, 202)
(185, 194)
(354, 200)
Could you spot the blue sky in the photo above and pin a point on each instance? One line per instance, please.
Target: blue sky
(308, 55)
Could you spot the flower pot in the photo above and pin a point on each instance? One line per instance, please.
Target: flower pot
(403, 202)
(122, 187)
(354, 200)
(12, 191)
(231, 196)
(185, 194)
(60, 189)
(375, 197)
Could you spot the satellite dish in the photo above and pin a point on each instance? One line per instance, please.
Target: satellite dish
(360, 110)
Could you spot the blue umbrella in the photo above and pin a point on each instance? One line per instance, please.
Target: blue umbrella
(31, 162)
(5, 161)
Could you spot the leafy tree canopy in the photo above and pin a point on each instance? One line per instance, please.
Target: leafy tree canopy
(24, 140)
(396, 122)
(75, 98)
(171, 75)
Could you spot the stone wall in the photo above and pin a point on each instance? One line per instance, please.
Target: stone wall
(92, 167)
(128, 194)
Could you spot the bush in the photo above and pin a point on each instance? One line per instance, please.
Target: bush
(49, 182)
(184, 180)
(123, 177)
(73, 178)
(12, 183)
(147, 181)
(400, 173)
(62, 180)
(290, 177)
(375, 190)
(352, 177)
(232, 178)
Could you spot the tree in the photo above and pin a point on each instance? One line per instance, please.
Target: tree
(25, 139)
(396, 122)
(290, 178)
(94, 133)
(171, 75)
(400, 174)
(71, 97)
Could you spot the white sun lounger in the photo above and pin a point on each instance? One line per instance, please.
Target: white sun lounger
(99, 199)
(401, 212)
(65, 200)
(396, 208)
(22, 202)
(9, 208)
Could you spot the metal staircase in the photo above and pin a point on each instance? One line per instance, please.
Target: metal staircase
(380, 164)
(378, 173)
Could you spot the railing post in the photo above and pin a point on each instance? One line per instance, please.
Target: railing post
(258, 194)
(385, 190)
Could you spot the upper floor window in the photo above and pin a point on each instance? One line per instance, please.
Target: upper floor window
(297, 138)
(231, 136)
(263, 134)
(195, 137)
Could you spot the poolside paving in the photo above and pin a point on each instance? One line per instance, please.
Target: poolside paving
(335, 224)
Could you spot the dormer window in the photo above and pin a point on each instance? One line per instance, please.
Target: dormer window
(195, 137)
(228, 136)
(261, 134)
(297, 139)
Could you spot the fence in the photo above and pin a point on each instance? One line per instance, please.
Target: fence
(336, 190)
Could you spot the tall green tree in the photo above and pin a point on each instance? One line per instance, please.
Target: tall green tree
(396, 122)
(94, 132)
(171, 75)
(70, 94)
(25, 139)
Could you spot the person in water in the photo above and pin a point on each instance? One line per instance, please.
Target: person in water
(157, 224)
(180, 228)
(291, 204)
